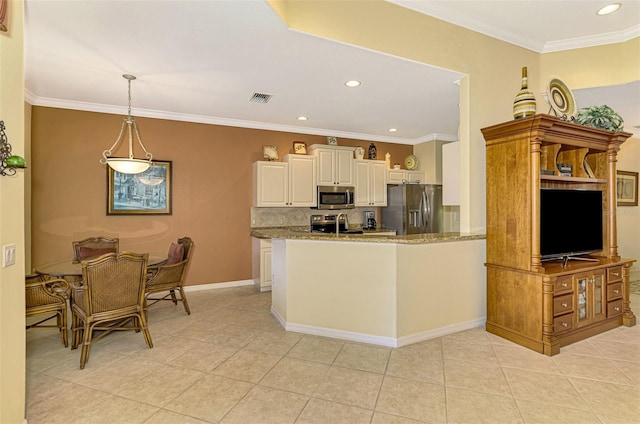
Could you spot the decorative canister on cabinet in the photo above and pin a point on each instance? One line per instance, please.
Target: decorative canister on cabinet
(525, 102)
(373, 151)
(359, 152)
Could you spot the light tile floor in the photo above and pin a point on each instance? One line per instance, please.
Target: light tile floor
(230, 362)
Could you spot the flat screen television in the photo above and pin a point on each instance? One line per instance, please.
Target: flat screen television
(570, 223)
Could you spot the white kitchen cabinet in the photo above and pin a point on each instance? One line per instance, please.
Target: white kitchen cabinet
(335, 164)
(302, 180)
(400, 176)
(370, 183)
(261, 263)
(283, 184)
(270, 184)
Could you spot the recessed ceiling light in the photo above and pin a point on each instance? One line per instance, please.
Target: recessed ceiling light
(352, 83)
(302, 118)
(610, 8)
(393, 129)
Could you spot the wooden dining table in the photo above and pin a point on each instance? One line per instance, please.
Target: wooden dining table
(66, 268)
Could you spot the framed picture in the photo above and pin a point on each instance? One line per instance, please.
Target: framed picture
(627, 188)
(300, 147)
(147, 193)
(270, 152)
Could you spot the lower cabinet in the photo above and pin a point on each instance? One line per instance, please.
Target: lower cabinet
(549, 310)
(261, 263)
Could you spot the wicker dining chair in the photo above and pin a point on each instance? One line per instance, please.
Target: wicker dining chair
(110, 296)
(93, 247)
(45, 297)
(169, 276)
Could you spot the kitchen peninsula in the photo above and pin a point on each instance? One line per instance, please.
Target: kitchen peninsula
(380, 289)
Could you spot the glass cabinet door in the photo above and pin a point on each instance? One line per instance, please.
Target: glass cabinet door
(590, 297)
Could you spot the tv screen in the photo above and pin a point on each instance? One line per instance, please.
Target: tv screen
(570, 222)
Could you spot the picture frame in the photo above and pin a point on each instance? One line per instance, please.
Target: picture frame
(626, 188)
(146, 193)
(300, 147)
(270, 152)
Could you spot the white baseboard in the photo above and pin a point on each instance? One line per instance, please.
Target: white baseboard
(442, 331)
(379, 340)
(214, 286)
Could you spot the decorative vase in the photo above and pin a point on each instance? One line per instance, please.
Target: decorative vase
(525, 102)
(359, 152)
(373, 152)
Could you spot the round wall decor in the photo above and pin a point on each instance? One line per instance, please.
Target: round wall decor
(561, 99)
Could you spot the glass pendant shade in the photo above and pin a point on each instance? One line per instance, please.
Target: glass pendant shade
(128, 165)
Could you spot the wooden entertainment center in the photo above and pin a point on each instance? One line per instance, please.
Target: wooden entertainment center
(546, 305)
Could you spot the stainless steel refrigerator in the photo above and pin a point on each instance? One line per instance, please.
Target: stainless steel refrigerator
(414, 209)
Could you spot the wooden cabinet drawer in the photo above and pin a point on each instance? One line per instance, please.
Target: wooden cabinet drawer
(562, 323)
(613, 308)
(614, 291)
(562, 304)
(563, 285)
(614, 274)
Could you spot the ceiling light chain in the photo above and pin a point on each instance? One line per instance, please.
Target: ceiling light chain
(128, 165)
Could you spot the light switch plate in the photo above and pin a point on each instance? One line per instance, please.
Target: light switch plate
(8, 255)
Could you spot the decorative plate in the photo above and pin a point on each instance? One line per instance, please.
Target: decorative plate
(561, 99)
(411, 162)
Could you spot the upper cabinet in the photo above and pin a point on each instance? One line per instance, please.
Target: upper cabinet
(402, 176)
(335, 164)
(291, 183)
(371, 188)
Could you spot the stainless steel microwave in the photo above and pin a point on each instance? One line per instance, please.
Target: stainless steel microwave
(335, 197)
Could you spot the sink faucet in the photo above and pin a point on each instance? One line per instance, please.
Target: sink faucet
(338, 222)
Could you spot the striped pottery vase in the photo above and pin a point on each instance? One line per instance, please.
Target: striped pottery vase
(525, 103)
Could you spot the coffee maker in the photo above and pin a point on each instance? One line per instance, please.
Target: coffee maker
(369, 220)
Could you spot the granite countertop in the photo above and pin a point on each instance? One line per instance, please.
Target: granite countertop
(368, 236)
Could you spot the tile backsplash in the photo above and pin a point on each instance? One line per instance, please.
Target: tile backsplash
(279, 217)
(294, 217)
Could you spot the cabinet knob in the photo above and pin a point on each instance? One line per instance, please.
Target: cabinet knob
(616, 291)
(564, 324)
(616, 308)
(565, 284)
(617, 274)
(564, 305)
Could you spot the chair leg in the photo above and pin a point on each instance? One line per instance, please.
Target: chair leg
(173, 296)
(86, 345)
(74, 331)
(145, 330)
(62, 326)
(184, 301)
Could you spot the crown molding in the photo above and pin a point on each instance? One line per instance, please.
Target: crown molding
(592, 41)
(228, 122)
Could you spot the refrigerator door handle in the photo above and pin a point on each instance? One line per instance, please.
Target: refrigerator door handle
(424, 211)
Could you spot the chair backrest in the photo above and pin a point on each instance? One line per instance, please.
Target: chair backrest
(93, 247)
(114, 282)
(187, 245)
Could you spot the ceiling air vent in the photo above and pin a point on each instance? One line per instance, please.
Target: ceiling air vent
(260, 98)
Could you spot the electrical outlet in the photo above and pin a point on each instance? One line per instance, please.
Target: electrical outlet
(8, 255)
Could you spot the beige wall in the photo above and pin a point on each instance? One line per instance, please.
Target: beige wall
(492, 68)
(12, 189)
(212, 187)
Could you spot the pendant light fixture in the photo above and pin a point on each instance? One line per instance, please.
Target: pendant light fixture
(128, 165)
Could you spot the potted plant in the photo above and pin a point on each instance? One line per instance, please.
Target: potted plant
(602, 117)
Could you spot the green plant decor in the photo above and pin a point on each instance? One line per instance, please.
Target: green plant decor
(602, 117)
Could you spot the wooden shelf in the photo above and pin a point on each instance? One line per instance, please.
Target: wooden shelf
(573, 179)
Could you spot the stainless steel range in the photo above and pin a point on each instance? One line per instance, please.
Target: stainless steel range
(327, 224)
